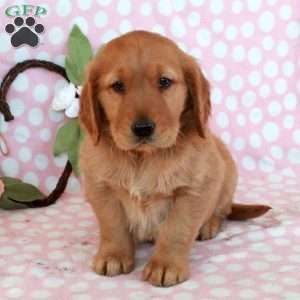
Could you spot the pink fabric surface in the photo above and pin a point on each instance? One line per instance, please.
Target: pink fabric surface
(250, 52)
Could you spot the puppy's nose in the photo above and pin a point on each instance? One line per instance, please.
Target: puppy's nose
(143, 128)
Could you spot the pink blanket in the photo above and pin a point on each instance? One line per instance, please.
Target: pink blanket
(250, 52)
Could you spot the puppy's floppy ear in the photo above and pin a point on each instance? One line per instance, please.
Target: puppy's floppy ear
(198, 93)
(90, 111)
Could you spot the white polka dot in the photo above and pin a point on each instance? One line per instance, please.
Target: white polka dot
(82, 23)
(146, 9)
(254, 78)
(125, 26)
(231, 103)
(248, 99)
(234, 267)
(282, 48)
(248, 163)
(285, 12)
(158, 29)
(216, 95)
(216, 6)
(238, 53)
(255, 140)
(41, 294)
(41, 161)
(220, 49)
(266, 164)
(218, 25)
(247, 29)
(43, 55)
(288, 122)
(268, 43)
(21, 134)
(24, 154)
(60, 161)
(177, 27)
(274, 108)
(108, 285)
(51, 182)
(264, 91)
(193, 19)
(203, 37)
(270, 69)
(165, 7)
(5, 44)
(178, 296)
(288, 68)
(296, 136)
(248, 294)
(220, 292)
(237, 6)
(214, 279)
(53, 282)
(55, 35)
(270, 132)
(255, 115)
(40, 93)
(253, 5)
(15, 293)
(124, 7)
(108, 35)
(7, 250)
(36, 116)
(45, 134)
(21, 83)
(266, 21)
(280, 86)
(17, 107)
(218, 72)
(236, 83)
(239, 144)
(100, 19)
(63, 8)
(10, 167)
(222, 120)
(254, 56)
(231, 32)
(294, 156)
(31, 178)
(55, 116)
(293, 30)
(84, 4)
(178, 5)
(240, 119)
(21, 54)
(104, 2)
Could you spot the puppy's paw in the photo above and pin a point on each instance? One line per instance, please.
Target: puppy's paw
(210, 229)
(165, 273)
(112, 265)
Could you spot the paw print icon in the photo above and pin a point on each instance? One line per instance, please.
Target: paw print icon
(24, 32)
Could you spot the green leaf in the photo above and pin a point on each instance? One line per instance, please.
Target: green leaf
(79, 54)
(68, 140)
(18, 190)
(6, 203)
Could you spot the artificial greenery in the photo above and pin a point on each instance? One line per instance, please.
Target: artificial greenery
(68, 137)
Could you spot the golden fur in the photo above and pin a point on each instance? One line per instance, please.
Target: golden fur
(171, 189)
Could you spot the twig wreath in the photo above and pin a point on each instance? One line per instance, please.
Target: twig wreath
(14, 193)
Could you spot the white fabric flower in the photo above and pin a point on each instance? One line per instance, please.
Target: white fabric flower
(67, 99)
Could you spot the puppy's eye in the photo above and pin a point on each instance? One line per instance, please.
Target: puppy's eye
(165, 83)
(118, 86)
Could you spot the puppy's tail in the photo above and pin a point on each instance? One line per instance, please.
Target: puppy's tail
(241, 212)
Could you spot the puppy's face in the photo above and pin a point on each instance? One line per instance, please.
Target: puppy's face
(139, 85)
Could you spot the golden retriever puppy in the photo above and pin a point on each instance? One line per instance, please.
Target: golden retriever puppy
(151, 168)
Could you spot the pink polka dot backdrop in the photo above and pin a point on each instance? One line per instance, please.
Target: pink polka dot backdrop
(250, 52)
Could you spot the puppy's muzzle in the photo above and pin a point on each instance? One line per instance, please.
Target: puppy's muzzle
(143, 128)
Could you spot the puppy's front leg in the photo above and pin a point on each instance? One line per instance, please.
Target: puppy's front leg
(169, 263)
(116, 250)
